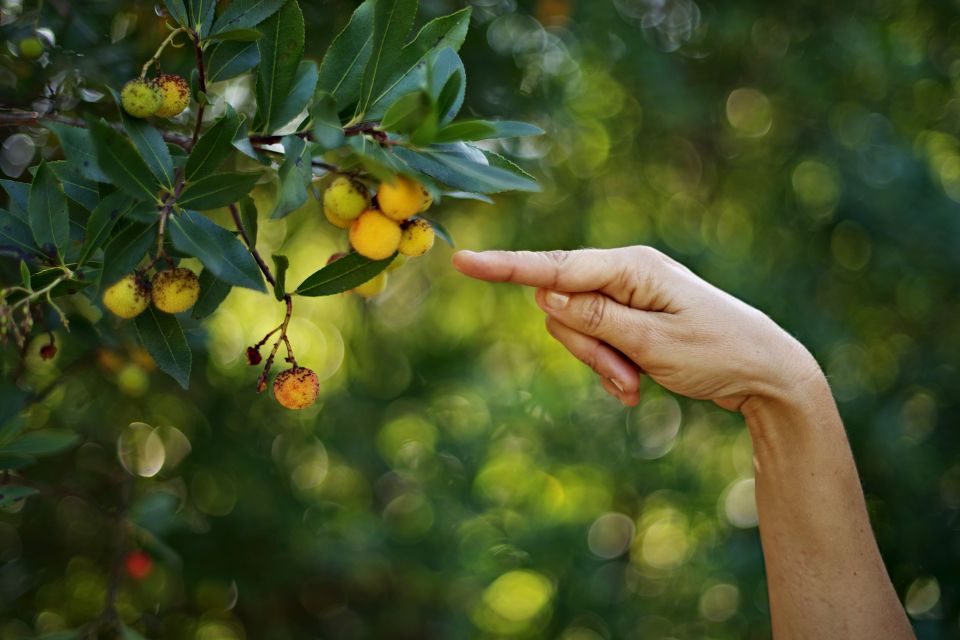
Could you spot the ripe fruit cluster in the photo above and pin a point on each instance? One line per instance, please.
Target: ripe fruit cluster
(383, 226)
(165, 96)
(171, 290)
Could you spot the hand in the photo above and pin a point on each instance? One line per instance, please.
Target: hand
(632, 311)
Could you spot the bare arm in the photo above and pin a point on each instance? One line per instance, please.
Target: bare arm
(633, 310)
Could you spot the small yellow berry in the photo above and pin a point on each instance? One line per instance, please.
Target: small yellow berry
(335, 220)
(417, 238)
(296, 388)
(427, 199)
(175, 290)
(174, 94)
(140, 98)
(401, 198)
(128, 298)
(31, 48)
(374, 235)
(346, 199)
(372, 287)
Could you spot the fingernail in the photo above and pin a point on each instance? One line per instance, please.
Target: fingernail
(556, 300)
(617, 384)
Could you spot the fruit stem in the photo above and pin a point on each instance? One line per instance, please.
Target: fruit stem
(156, 56)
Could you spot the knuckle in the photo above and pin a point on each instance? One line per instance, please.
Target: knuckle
(594, 312)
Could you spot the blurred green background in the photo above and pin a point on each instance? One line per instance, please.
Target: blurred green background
(462, 476)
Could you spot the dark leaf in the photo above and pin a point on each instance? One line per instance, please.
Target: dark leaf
(448, 81)
(201, 13)
(299, 97)
(344, 274)
(125, 250)
(43, 442)
(219, 250)
(217, 190)
(213, 147)
(229, 59)
(213, 291)
(10, 493)
(245, 14)
(407, 113)
(178, 11)
(84, 192)
(442, 232)
(238, 35)
(49, 218)
(104, 217)
(248, 216)
(454, 166)
(280, 266)
(327, 128)
(149, 143)
(78, 147)
(16, 237)
(162, 336)
(295, 175)
(392, 20)
(13, 461)
(122, 164)
(342, 68)
(281, 49)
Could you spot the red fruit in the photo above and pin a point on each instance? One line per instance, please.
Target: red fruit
(47, 351)
(335, 257)
(253, 356)
(138, 564)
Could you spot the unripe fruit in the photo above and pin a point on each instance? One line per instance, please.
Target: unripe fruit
(336, 220)
(372, 287)
(128, 298)
(346, 199)
(374, 235)
(401, 198)
(296, 388)
(140, 98)
(417, 238)
(138, 564)
(31, 48)
(174, 95)
(175, 290)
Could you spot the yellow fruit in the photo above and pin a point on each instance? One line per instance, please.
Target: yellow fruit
(128, 298)
(374, 235)
(174, 95)
(401, 198)
(372, 287)
(346, 199)
(175, 290)
(296, 388)
(31, 48)
(336, 221)
(417, 238)
(427, 199)
(140, 98)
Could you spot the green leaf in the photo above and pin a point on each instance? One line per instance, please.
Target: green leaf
(121, 162)
(238, 35)
(78, 147)
(445, 32)
(201, 14)
(407, 113)
(218, 190)
(327, 128)
(383, 164)
(498, 161)
(442, 233)
(84, 192)
(125, 250)
(105, 216)
(486, 130)
(10, 493)
(229, 59)
(392, 20)
(12, 401)
(280, 266)
(178, 11)
(467, 195)
(344, 274)
(16, 237)
(219, 250)
(49, 218)
(299, 97)
(342, 68)
(162, 336)
(457, 168)
(25, 275)
(19, 193)
(295, 175)
(213, 147)
(448, 81)
(12, 461)
(248, 216)
(213, 291)
(281, 49)
(245, 14)
(149, 143)
(43, 442)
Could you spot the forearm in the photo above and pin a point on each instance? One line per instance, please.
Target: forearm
(825, 576)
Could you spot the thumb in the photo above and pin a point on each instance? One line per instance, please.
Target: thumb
(597, 315)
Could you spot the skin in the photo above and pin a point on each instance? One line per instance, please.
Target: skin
(632, 311)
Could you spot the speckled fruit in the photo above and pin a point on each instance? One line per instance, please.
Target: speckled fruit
(140, 98)
(400, 199)
(175, 290)
(174, 95)
(296, 388)
(336, 220)
(128, 298)
(374, 235)
(31, 48)
(427, 199)
(417, 238)
(372, 287)
(346, 199)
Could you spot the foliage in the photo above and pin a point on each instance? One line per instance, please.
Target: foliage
(461, 476)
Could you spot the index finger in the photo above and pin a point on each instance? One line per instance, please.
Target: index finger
(571, 271)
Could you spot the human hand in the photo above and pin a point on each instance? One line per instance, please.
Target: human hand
(631, 311)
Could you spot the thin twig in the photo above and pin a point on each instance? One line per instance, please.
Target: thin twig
(201, 84)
